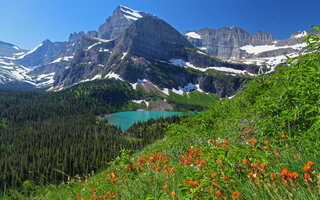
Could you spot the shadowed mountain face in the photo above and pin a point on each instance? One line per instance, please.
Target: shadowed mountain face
(151, 37)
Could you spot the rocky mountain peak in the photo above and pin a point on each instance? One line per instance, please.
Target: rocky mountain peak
(121, 19)
(76, 36)
(301, 34)
(261, 37)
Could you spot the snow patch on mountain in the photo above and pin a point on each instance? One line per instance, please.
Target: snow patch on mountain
(66, 58)
(113, 75)
(124, 55)
(98, 76)
(263, 48)
(45, 79)
(177, 62)
(95, 44)
(100, 39)
(45, 76)
(130, 14)
(193, 35)
(302, 34)
(140, 101)
(222, 69)
(188, 88)
(31, 51)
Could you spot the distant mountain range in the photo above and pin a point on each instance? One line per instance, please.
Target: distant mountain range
(237, 45)
(142, 49)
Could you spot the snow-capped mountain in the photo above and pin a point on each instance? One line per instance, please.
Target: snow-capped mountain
(121, 19)
(10, 71)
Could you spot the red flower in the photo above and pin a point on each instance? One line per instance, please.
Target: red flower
(273, 176)
(309, 163)
(235, 195)
(306, 168)
(284, 173)
(307, 176)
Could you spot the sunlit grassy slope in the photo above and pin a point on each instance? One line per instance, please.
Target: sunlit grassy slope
(262, 144)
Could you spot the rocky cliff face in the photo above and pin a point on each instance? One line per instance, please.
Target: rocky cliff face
(237, 45)
(222, 43)
(261, 38)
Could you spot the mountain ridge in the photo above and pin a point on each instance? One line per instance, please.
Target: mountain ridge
(53, 60)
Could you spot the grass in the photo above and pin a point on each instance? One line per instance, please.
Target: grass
(193, 98)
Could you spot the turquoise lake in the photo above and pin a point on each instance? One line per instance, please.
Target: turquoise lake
(126, 119)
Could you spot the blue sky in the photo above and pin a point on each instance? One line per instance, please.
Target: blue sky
(27, 23)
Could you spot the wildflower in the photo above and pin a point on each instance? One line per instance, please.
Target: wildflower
(213, 175)
(266, 142)
(165, 186)
(193, 184)
(263, 165)
(226, 142)
(265, 148)
(235, 195)
(94, 190)
(149, 180)
(173, 194)
(203, 162)
(244, 132)
(255, 166)
(251, 175)
(293, 176)
(307, 176)
(273, 176)
(250, 129)
(309, 163)
(296, 156)
(277, 154)
(283, 136)
(218, 193)
(158, 169)
(284, 173)
(80, 198)
(307, 168)
(78, 194)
